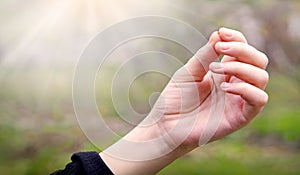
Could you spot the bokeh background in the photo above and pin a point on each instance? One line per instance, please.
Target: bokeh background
(41, 41)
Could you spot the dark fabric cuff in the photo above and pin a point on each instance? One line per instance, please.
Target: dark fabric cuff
(91, 163)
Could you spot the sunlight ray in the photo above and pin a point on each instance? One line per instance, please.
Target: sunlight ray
(47, 21)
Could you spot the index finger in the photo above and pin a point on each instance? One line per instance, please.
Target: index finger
(243, 53)
(230, 35)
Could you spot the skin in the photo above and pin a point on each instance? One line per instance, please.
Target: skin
(190, 96)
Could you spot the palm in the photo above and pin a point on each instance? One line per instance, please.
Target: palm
(196, 103)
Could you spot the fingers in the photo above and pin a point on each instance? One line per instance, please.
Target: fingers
(214, 38)
(253, 95)
(198, 65)
(246, 72)
(255, 98)
(230, 35)
(243, 53)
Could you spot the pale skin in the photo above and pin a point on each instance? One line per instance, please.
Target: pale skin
(188, 96)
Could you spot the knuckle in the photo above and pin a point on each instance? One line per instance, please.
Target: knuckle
(263, 100)
(265, 59)
(265, 78)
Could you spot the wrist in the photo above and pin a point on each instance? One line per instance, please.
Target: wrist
(147, 149)
(168, 135)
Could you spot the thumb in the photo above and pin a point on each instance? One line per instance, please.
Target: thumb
(198, 65)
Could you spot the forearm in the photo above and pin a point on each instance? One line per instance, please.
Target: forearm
(118, 166)
(145, 150)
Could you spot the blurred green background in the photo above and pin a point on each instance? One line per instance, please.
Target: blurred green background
(41, 41)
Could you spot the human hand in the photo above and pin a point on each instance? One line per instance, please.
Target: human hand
(204, 101)
(196, 90)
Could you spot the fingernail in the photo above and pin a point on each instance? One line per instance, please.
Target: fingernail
(226, 32)
(215, 66)
(223, 46)
(225, 85)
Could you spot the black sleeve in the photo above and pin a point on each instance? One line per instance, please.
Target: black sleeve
(85, 163)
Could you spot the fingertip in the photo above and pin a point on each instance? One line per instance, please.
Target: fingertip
(214, 38)
(216, 67)
(222, 47)
(225, 86)
(227, 34)
(226, 30)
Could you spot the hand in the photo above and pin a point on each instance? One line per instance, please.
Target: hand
(193, 94)
(204, 101)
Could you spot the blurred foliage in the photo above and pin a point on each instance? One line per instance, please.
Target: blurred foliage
(237, 159)
(38, 127)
